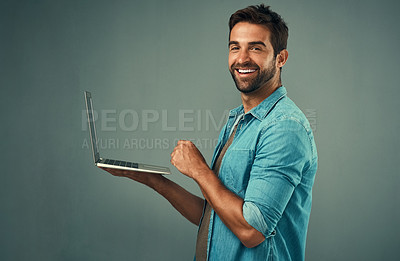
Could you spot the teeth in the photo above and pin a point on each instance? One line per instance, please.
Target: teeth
(246, 71)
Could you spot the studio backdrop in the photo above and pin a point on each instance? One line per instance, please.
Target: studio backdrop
(158, 72)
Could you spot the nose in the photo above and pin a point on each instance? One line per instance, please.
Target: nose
(243, 56)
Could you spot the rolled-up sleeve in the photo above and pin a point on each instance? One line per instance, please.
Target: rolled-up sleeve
(283, 153)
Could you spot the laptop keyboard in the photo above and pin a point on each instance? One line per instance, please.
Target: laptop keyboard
(120, 163)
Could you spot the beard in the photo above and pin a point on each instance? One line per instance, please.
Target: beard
(252, 83)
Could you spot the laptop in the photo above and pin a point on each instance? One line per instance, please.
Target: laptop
(109, 163)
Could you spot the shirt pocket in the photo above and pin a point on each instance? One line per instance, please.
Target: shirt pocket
(235, 169)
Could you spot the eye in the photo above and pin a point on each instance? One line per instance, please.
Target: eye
(233, 48)
(254, 48)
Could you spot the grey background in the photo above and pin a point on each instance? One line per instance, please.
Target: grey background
(172, 55)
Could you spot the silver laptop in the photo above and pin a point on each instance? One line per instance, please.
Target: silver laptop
(109, 163)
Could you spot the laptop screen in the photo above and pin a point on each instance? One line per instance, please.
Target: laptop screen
(92, 128)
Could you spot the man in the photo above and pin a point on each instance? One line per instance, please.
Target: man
(258, 189)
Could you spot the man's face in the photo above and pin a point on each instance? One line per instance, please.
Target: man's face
(251, 56)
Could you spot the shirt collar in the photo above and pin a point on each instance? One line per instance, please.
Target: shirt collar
(261, 110)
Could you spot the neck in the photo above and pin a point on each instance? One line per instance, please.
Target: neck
(252, 99)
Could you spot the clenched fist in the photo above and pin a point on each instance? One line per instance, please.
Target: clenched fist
(188, 159)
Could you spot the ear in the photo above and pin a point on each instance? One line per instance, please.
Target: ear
(281, 58)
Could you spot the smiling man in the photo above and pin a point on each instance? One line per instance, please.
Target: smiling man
(255, 67)
(257, 193)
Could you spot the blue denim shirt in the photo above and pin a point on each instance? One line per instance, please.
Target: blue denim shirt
(271, 164)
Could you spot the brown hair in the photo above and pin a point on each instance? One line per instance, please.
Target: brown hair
(262, 15)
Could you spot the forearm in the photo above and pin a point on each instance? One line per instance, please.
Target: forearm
(186, 203)
(229, 208)
(189, 205)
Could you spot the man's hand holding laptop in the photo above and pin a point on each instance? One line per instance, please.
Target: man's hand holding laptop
(141, 177)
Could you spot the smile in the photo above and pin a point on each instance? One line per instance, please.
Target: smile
(245, 71)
